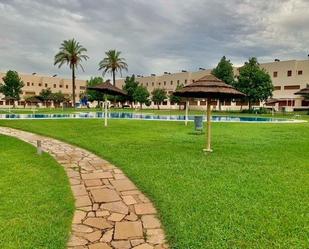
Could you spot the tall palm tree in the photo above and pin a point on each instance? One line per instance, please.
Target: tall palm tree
(113, 63)
(71, 53)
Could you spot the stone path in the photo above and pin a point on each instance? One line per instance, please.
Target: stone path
(110, 211)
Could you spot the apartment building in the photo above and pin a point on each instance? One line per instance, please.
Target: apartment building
(288, 77)
(34, 83)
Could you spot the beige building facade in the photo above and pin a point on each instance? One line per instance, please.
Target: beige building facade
(34, 84)
(288, 77)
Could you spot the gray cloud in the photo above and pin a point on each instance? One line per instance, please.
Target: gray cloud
(154, 36)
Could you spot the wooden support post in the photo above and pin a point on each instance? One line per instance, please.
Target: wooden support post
(208, 132)
(187, 109)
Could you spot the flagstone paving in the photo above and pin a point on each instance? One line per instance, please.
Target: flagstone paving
(110, 211)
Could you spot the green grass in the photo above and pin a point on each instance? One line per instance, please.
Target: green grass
(251, 192)
(36, 203)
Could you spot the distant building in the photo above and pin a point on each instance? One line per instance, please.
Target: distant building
(33, 85)
(288, 77)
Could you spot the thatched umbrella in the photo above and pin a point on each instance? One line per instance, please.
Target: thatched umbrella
(107, 89)
(32, 99)
(303, 92)
(209, 87)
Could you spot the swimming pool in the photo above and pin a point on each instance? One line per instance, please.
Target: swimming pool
(145, 116)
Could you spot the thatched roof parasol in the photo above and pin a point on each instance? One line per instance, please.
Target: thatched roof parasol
(32, 99)
(107, 88)
(9, 98)
(304, 91)
(272, 101)
(209, 87)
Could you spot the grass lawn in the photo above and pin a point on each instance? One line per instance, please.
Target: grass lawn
(251, 192)
(36, 203)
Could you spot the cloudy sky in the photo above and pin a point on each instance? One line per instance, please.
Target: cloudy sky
(154, 36)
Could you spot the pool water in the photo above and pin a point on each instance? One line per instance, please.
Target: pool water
(127, 115)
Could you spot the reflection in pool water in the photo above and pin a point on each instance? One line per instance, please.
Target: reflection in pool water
(127, 115)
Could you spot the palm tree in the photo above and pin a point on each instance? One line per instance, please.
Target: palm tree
(113, 63)
(71, 53)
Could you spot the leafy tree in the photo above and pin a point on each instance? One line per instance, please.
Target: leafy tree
(130, 86)
(141, 95)
(158, 96)
(58, 97)
(92, 94)
(12, 85)
(254, 81)
(45, 95)
(71, 53)
(176, 99)
(224, 71)
(113, 63)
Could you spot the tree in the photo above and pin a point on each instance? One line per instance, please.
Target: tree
(58, 97)
(254, 81)
(141, 95)
(113, 63)
(158, 96)
(224, 71)
(45, 95)
(176, 99)
(71, 53)
(12, 85)
(130, 86)
(92, 94)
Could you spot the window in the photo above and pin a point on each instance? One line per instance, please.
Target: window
(292, 87)
(54, 85)
(277, 88)
(177, 81)
(28, 83)
(171, 82)
(185, 81)
(300, 72)
(32, 84)
(40, 84)
(289, 73)
(152, 84)
(60, 86)
(66, 86)
(147, 84)
(164, 83)
(193, 81)
(45, 85)
(275, 74)
(159, 83)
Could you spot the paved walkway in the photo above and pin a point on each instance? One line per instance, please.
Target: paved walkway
(110, 211)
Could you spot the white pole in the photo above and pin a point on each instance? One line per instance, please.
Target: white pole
(187, 108)
(105, 117)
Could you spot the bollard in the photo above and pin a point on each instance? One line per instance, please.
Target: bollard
(39, 147)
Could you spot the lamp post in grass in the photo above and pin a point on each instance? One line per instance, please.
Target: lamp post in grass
(107, 89)
(209, 87)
